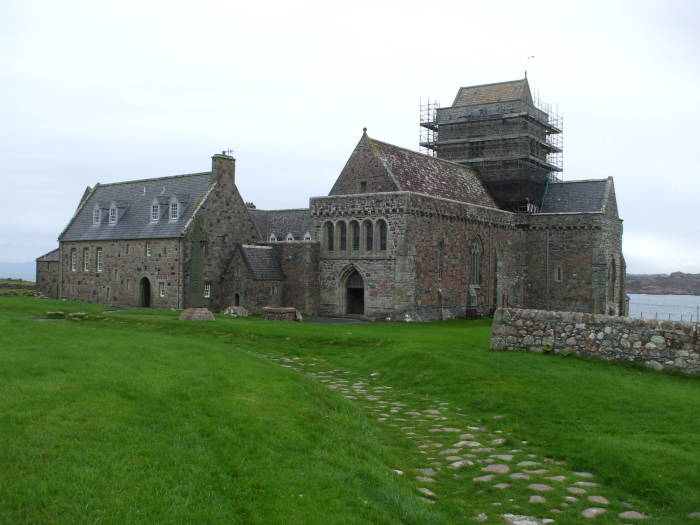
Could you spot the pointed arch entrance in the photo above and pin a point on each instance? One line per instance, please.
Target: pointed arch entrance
(354, 294)
(145, 289)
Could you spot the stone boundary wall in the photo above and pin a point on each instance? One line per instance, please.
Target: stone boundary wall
(22, 285)
(660, 345)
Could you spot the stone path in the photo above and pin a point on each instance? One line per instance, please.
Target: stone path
(480, 457)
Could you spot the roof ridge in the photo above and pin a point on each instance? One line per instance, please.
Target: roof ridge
(102, 185)
(580, 180)
(494, 83)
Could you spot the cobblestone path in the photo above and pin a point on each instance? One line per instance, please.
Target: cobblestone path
(452, 446)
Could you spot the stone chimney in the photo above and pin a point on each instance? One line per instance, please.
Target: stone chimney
(223, 168)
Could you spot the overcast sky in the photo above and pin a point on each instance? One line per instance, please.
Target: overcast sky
(100, 91)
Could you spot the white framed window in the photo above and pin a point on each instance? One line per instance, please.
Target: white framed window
(98, 259)
(96, 216)
(73, 260)
(112, 215)
(273, 237)
(148, 249)
(155, 212)
(174, 211)
(161, 289)
(207, 290)
(307, 236)
(290, 237)
(86, 259)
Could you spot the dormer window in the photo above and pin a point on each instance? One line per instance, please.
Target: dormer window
(290, 237)
(113, 215)
(96, 216)
(273, 237)
(174, 211)
(155, 212)
(307, 236)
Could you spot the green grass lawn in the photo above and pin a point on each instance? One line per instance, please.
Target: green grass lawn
(136, 417)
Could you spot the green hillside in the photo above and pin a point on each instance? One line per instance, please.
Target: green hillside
(136, 417)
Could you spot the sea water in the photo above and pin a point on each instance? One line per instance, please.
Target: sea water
(673, 307)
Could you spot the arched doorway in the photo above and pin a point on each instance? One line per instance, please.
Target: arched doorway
(355, 294)
(236, 300)
(145, 293)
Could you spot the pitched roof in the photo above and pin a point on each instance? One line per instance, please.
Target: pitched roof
(497, 92)
(51, 256)
(282, 222)
(575, 196)
(133, 200)
(413, 171)
(263, 262)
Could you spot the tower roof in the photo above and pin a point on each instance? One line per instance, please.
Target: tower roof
(497, 92)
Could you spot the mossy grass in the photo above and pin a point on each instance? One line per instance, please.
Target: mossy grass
(135, 417)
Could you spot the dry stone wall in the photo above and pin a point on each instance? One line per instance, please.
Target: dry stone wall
(660, 345)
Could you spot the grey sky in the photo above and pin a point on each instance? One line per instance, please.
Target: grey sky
(109, 91)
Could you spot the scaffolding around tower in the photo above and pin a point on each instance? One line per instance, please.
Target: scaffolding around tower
(512, 139)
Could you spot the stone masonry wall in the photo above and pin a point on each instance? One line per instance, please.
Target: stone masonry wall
(660, 345)
(387, 274)
(299, 261)
(444, 289)
(124, 264)
(224, 221)
(48, 278)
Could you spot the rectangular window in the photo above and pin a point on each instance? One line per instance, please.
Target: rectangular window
(98, 259)
(205, 248)
(363, 186)
(96, 216)
(155, 212)
(112, 215)
(148, 249)
(207, 290)
(161, 289)
(128, 284)
(173, 211)
(73, 260)
(86, 259)
(116, 274)
(165, 250)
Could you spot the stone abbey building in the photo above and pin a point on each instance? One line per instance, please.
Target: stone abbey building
(481, 221)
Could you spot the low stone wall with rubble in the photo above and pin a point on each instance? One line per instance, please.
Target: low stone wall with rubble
(660, 345)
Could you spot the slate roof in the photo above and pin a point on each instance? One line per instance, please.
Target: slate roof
(282, 222)
(497, 92)
(575, 196)
(134, 198)
(263, 262)
(51, 256)
(413, 171)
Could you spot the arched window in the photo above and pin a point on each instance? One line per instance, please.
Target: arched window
(343, 235)
(381, 224)
(329, 236)
(475, 261)
(355, 235)
(369, 235)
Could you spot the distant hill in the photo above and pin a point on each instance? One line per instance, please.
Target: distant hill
(677, 283)
(25, 271)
